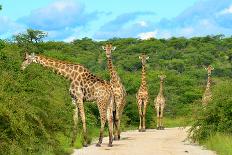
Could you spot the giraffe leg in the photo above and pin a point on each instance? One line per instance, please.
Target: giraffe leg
(103, 113)
(140, 114)
(116, 119)
(144, 116)
(158, 120)
(82, 114)
(119, 122)
(110, 122)
(75, 120)
(161, 118)
(115, 125)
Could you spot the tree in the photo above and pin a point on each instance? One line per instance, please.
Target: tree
(0, 7)
(30, 39)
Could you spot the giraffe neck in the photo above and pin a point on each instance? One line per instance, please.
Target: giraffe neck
(144, 82)
(113, 73)
(57, 66)
(161, 88)
(208, 83)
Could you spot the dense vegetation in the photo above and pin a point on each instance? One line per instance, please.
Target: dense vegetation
(36, 109)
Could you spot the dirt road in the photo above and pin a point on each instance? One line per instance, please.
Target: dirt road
(170, 141)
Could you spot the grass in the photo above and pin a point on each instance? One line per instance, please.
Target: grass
(177, 122)
(219, 142)
(170, 122)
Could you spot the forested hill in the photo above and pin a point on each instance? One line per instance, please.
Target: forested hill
(36, 109)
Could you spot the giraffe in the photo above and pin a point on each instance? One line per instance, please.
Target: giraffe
(206, 98)
(118, 91)
(160, 104)
(84, 87)
(142, 95)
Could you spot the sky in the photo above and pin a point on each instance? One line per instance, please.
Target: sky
(66, 20)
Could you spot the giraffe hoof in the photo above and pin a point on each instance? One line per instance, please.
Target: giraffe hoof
(85, 145)
(158, 128)
(110, 145)
(162, 128)
(143, 130)
(140, 130)
(98, 145)
(116, 138)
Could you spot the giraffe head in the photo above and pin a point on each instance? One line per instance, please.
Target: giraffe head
(108, 48)
(162, 77)
(28, 59)
(209, 69)
(143, 58)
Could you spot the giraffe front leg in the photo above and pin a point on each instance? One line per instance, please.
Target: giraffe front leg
(144, 116)
(161, 118)
(82, 114)
(75, 122)
(140, 114)
(158, 118)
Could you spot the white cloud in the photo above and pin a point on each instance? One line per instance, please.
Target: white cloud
(143, 23)
(186, 31)
(226, 11)
(147, 35)
(59, 15)
(9, 27)
(70, 39)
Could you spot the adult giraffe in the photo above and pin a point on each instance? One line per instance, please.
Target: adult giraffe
(118, 90)
(84, 87)
(207, 96)
(160, 104)
(142, 95)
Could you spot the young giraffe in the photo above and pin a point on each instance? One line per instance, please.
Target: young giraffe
(84, 87)
(142, 95)
(118, 90)
(206, 98)
(160, 104)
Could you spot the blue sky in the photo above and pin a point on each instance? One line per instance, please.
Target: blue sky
(103, 19)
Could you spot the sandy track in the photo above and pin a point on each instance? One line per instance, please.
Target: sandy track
(170, 141)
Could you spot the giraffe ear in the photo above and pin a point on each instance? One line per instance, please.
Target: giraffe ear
(33, 54)
(147, 58)
(103, 47)
(113, 48)
(164, 76)
(140, 57)
(26, 55)
(212, 68)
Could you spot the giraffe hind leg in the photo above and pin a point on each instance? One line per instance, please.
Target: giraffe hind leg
(103, 115)
(115, 124)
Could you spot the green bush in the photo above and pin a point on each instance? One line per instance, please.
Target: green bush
(217, 116)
